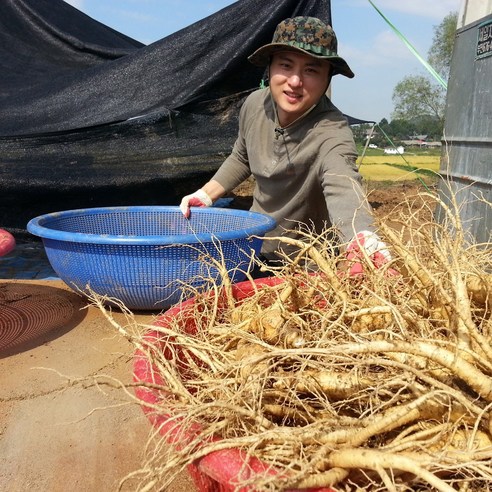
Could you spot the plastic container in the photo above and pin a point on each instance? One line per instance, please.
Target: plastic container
(148, 257)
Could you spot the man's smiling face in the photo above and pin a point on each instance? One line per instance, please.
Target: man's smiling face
(297, 82)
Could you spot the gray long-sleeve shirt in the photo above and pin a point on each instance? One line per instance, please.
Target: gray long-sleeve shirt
(305, 173)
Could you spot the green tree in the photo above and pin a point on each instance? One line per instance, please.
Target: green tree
(416, 96)
(441, 50)
(401, 129)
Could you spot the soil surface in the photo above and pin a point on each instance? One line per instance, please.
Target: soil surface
(386, 199)
(390, 199)
(58, 430)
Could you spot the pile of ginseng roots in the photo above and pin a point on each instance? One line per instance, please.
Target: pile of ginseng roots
(378, 381)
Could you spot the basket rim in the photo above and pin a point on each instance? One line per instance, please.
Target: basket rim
(36, 226)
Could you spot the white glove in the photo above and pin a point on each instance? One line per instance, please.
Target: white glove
(373, 244)
(197, 199)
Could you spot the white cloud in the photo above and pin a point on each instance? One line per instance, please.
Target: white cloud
(435, 9)
(384, 50)
(78, 4)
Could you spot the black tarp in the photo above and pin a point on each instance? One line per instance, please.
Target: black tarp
(90, 117)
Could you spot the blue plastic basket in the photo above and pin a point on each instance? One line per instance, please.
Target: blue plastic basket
(149, 257)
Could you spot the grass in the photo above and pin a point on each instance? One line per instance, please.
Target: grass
(399, 167)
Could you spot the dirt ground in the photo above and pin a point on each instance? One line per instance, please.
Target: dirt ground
(388, 198)
(385, 198)
(58, 431)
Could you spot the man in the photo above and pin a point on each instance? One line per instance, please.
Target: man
(296, 143)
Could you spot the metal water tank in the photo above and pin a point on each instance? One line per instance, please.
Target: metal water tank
(466, 163)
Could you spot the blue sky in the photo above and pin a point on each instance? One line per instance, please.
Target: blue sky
(377, 56)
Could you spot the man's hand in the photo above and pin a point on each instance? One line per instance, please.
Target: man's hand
(197, 199)
(369, 243)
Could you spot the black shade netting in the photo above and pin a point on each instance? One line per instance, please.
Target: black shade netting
(91, 117)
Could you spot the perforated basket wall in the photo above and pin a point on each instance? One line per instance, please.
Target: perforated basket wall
(149, 257)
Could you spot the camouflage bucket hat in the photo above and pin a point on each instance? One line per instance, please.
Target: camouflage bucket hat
(306, 35)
